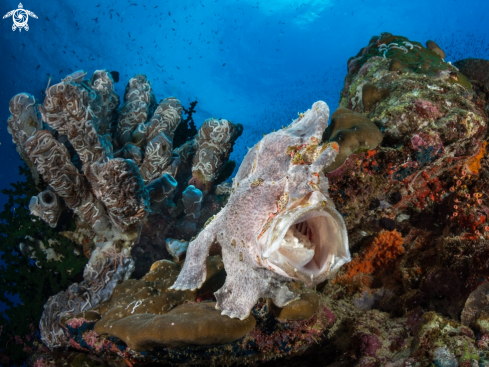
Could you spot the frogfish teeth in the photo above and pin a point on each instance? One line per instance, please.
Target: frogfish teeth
(279, 223)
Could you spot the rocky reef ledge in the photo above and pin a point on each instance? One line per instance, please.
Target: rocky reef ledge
(362, 241)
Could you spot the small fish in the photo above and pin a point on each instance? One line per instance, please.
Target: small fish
(97, 5)
(224, 64)
(38, 66)
(115, 76)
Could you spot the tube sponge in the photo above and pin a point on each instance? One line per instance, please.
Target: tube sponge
(24, 122)
(66, 110)
(192, 201)
(46, 206)
(214, 145)
(119, 186)
(138, 98)
(158, 135)
(63, 177)
(161, 188)
(105, 106)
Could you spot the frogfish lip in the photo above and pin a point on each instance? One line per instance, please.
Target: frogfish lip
(307, 241)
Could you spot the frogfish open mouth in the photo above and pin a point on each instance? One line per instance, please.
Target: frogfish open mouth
(279, 223)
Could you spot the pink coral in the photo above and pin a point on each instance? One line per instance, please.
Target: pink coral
(91, 337)
(424, 140)
(41, 362)
(427, 109)
(367, 344)
(76, 322)
(296, 335)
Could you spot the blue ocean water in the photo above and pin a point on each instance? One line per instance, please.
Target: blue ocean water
(257, 63)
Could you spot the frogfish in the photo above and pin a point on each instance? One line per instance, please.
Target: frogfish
(279, 223)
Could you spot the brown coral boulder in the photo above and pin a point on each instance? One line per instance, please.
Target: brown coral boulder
(150, 295)
(475, 69)
(433, 46)
(301, 309)
(371, 94)
(188, 324)
(145, 313)
(353, 132)
(476, 303)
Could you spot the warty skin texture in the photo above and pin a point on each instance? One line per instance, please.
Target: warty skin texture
(279, 185)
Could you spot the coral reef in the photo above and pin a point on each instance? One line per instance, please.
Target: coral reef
(145, 321)
(111, 167)
(418, 196)
(398, 179)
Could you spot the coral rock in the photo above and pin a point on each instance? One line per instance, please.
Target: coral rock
(435, 331)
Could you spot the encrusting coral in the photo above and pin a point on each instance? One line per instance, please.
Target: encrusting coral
(146, 313)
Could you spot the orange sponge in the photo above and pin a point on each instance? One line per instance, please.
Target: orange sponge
(386, 247)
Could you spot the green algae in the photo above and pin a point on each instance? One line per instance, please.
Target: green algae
(412, 55)
(34, 284)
